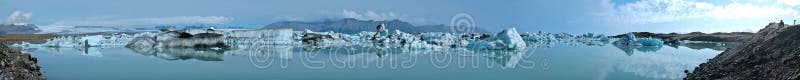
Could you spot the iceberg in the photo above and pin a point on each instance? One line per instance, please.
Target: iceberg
(442, 39)
(95, 40)
(412, 41)
(650, 42)
(631, 40)
(210, 38)
(88, 41)
(260, 37)
(323, 38)
(382, 32)
(506, 39)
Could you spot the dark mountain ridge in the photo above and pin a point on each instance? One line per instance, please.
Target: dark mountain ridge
(18, 29)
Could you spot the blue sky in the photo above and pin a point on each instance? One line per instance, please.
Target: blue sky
(574, 16)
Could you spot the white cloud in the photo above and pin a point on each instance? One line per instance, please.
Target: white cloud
(180, 20)
(18, 17)
(746, 10)
(661, 11)
(371, 15)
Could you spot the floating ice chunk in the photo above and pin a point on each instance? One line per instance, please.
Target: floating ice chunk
(67, 41)
(260, 37)
(382, 32)
(511, 38)
(486, 45)
(539, 39)
(650, 42)
(631, 40)
(26, 46)
(198, 31)
(116, 40)
(443, 39)
(144, 34)
(420, 45)
(324, 38)
(166, 36)
(200, 40)
(142, 43)
(506, 39)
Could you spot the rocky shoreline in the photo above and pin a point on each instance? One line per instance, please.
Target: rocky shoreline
(771, 54)
(15, 65)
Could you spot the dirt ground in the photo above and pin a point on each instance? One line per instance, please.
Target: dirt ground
(31, 38)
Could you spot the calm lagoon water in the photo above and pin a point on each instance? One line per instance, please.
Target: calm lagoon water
(561, 61)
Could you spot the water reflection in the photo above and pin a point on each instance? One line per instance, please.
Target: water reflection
(181, 53)
(668, 64)
(656, 63)
(629, 50)
(272, 51)
(504, 58)
(509, 58)
(717, 46)
(360, 55)
(88, 51)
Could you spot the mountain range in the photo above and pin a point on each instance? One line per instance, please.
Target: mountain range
(18, 29)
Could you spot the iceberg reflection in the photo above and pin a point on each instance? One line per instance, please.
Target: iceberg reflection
(665, 65)
(717, 46)
(181, 53)
(629, 50)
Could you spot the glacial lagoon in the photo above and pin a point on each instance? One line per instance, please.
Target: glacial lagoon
(281, 62)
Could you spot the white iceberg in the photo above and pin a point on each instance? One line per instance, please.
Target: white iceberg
(506, 39)
(95, 40)
(260, 37)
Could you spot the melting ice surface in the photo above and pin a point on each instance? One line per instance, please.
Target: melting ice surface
(547, 56)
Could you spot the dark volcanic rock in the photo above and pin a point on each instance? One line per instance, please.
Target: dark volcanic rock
(15, 65)
(772, 54)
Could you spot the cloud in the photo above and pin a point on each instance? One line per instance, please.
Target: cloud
(18, 17)
(371, 15)
(790, 2)
(180, 20)
(661, 11)
(746, 10)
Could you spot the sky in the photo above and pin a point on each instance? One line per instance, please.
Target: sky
(571, 16)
